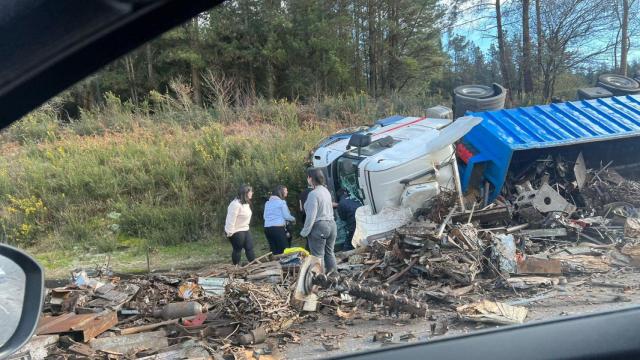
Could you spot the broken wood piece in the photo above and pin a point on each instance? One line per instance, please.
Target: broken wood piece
(124, 344)
(83, 327)
(528, 282)
(138, 329)
(492, 312)
(608, 284)
(633, 252)
(542, 233)
(37, 347)
(189, 349)
(582, 250)
(346, 315)
(542, 296)
(584, 264)
(82, 349)
(403, 271)
(257, 260)
(492, 215)
(533, 265)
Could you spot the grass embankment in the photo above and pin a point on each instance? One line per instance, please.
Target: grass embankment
(122, 179)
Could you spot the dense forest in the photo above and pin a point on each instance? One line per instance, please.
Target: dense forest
(300, 49)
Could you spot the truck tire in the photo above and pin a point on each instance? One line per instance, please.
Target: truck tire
(636, 76)
(462, 104)
(474, 91)
(618, 84)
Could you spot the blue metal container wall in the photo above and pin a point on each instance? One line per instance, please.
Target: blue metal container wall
(543, 126)
(390, 120)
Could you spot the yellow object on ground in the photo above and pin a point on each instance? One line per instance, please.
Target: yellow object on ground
(295, 250)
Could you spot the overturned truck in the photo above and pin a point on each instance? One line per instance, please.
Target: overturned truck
(400, 165)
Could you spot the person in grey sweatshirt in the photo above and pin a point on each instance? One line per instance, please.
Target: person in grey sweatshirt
(320, 226)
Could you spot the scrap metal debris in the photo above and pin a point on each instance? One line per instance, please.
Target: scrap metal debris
(550, 231)
(493, 312)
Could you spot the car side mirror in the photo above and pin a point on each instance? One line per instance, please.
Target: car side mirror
(22, 283)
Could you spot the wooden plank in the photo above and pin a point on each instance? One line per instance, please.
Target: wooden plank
(138, 329)
(82, 326)
(532, 265)
(127, 343)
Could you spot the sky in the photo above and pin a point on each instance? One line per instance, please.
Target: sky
(480, 29)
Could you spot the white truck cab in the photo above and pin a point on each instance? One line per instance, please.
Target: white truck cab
(403, 165)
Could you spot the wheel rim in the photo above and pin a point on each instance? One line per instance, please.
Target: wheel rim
(620, 82)
(474, 91)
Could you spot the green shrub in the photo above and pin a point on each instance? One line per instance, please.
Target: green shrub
(167, 168)
(38, 126)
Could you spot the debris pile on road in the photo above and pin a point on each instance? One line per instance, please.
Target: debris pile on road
(255, 305)
(98, 315)
(550, 224)
(551, 228)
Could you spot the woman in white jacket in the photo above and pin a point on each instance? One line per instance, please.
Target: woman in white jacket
(236, 226)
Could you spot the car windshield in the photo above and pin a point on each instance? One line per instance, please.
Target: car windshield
(172, 199)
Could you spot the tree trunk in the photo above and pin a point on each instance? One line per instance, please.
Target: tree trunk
(392, 51)
(356, 47)
(539, 35)
(195, 83)
(624, 45)
(270, 80)
(151, 77)
(615, 50)
(131, 76)
(502, 50)
(373, 75)
(380, 47)
(526, 49)
(195, 69)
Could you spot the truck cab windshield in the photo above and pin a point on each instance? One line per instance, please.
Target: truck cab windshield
(374, 148)
(347, 168)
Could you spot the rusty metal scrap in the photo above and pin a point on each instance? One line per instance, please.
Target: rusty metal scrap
(550, 224)
(376, 295)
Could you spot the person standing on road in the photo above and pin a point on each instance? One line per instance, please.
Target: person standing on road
(320, 226)
(276, 216)
(347, 207)
(301, 200)
(236, 226)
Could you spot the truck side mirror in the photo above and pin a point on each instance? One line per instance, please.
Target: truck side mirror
(22, 281)
(360, 140)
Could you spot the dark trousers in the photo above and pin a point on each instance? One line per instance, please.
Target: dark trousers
(347, 244)
(277, 238)
(239, 241)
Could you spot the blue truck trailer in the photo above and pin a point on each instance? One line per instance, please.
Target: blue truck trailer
(604, 130)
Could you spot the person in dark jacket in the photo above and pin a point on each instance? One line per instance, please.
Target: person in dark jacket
(276, 217)
(347, 207)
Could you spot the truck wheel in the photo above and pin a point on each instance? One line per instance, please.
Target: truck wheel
(462, 103)
(474, 91)
(618, 84)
